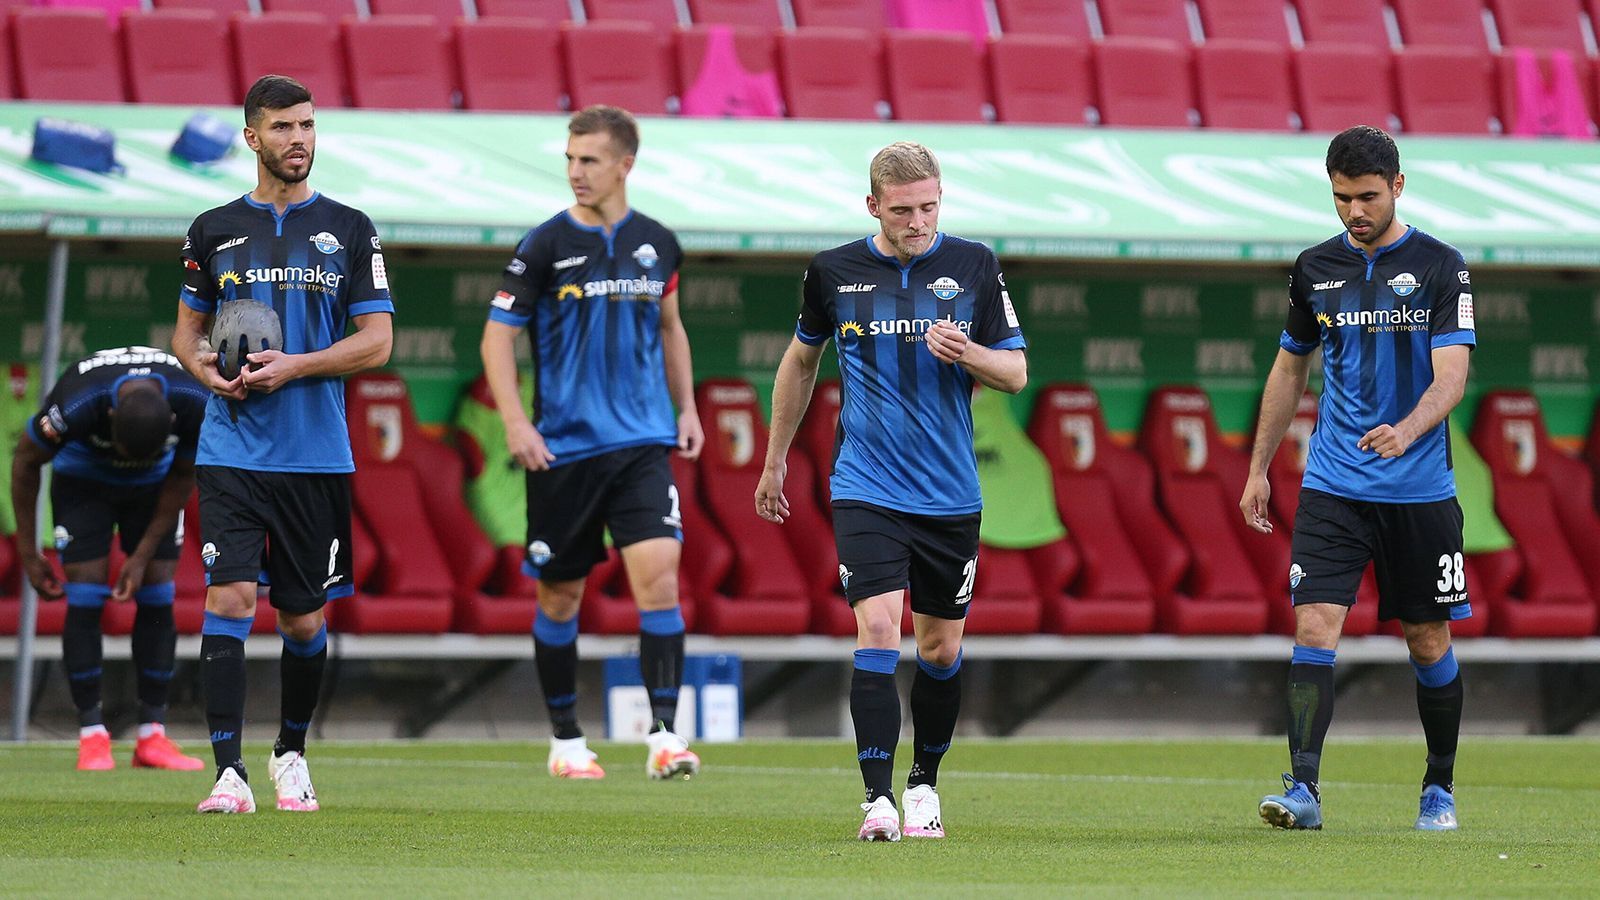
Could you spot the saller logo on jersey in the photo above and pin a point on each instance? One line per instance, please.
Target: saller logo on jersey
(857, 288)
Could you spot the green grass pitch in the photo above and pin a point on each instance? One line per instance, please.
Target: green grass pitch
(1035, 818)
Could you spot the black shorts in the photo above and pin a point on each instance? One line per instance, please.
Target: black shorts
(629, 491)
(1415, 549)
(86, 511)
(883, 550)
(304, 517)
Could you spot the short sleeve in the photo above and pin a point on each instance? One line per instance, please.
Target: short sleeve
(1451, 320)
(60, 421)
(369, 279)
(1301, 333)
(995, 322)
(673, 256)
(816, 322)
(526, 279)
(199, 292)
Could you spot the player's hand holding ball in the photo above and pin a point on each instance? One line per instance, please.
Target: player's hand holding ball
(246, 339)
(947, 342)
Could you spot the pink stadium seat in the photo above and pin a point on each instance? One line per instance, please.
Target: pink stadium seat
(543, 10)
(333, 9)
(1445, 90)
(1248, 20)
(1041, 79)
(616, 63)
(745, 13)
(222, 8)
(1196, 488)
(727, 91)
(442, 12)
(1330, 100)
(1540, 24)
(509, 64)
(302, 45)
(659, 14)
(1050, 17)
(951, 91)
(866, 14)
(1556, 538)
(1143, 82)
(1343, 22)
(830, 73)
(66, 55)
(765, 592)
(201, 74)
(397, 62)
(1442, 23)
(1261, 102)
(1549, 113)
(1160, 19)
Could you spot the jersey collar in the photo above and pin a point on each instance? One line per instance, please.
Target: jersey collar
(1350, 245)
(905, 270)
(610, 235)
(287, 209)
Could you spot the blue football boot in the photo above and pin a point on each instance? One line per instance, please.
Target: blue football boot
(1296, 807)
(1438, 810)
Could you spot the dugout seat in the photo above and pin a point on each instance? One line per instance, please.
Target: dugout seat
(1358, 22)
(660, 15)
(1143, 82)
(441, 13)
(1040, 79)
(1245, 20)
(952, 90)
(543, 10)
(201, 74)
(766, 591)
(818, 437)
(1164, 20)
(762, 14)
(1261, 102)
(1442, 23)
(1044, 17)
(1199, 492)
(1558, 539)
(303, 43)
(50, 615)
(509, 65)
(66, 55)
(830, 73)
(867, 14)
(1591, 453)
(1445, 90)
(616, 63)
(1540, 24)
(397, 62)
(1330, 100)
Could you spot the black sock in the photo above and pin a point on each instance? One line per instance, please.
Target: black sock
(1439, 700)
(1310, 711)
(875, 709)
(222, 678)
(661, 662)
(935, 704)
(301, 673)
(154, 646)
(80, 655)
(555, 655)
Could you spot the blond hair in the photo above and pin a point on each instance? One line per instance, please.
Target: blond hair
(902, 162)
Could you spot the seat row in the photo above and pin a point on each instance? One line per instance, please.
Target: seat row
(1154, 540)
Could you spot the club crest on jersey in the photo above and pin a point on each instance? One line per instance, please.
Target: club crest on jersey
(1295, 575)
(326, 243)
(209, 554)
(62, 537)
(646, 256)
(539, 553)
(945, 288)
(1404, 284)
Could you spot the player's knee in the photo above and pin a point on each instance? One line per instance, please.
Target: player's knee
(878, 629)
(1428, 641)
(660, 592)
(939, 650)
(560, 600)
(236, 601)
(300, 627)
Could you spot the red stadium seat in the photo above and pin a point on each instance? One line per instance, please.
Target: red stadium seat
(1534, 486)
(745, 13)
(1261, 102)
(1445, 90)
(661, 15)
(1005, 597)
(442, 12)
(189, 582)
(766, 590)
(8, 88)
(1050, 17)
(818, 437)
(1111, 590)
(222, 8)
(50, 616)
(543, 10)
(616, 63)
(397, 62)
(66, 55)
(1330, 100)
(1198, 491)
(509, 65)
(1040, 79)
(201, 74)
(1591, 453)
(1540, 24)
(951, 91)
(830, 73)
(333, 9)
(867, 14)
(1160, 19)
(1245, 20)
(1143, 83)
(1442, 23)
(1358, 22)
(303, 45)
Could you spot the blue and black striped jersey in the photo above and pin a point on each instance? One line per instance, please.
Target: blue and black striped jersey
(591, 302)
(905, 427)
(318, 265)
(1378, 319)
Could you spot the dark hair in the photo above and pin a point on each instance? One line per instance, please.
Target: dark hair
(273, 92)
(1364, 150)
(618, 123)
(142, 423)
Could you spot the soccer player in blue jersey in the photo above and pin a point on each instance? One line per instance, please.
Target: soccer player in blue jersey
(596, 287)
(1391, 308)
(916, 317)
(119, 431)
(274, 461)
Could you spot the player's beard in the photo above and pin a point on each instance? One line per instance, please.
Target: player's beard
(274, 165)
(1379, 227)
(904, 247)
